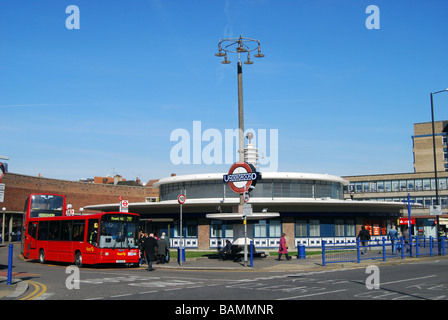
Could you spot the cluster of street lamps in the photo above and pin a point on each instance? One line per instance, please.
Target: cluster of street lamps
(240, 46)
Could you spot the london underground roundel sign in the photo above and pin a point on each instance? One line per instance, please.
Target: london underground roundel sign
(241, 176)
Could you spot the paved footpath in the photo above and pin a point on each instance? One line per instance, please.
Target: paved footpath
(268, 264)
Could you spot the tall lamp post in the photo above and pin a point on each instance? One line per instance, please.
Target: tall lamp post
(434, 152)
(240, 46)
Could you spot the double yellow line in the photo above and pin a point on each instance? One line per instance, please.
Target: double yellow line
(39, 289)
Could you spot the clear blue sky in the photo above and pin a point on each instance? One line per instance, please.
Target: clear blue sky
(105, 98)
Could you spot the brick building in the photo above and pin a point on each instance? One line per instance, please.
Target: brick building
(79, 194)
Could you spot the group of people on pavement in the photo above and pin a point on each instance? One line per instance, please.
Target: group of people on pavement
(392, 235)
(153, 248)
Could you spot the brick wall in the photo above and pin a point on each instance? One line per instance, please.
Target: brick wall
(288, 229)
(79, 194)
(203, 233)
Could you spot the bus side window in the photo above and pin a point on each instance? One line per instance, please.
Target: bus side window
(78, 231)
(42, 233)
(92, 232)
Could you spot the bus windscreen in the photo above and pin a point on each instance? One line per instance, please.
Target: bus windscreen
(118, 232)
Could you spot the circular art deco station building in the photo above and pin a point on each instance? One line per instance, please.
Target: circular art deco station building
(307, 207)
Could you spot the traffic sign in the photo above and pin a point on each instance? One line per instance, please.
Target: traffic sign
(124, 205)
(181, 198)
(246, 196)
(2, 192)
(2, 171)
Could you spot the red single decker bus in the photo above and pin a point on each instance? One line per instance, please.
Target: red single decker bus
(51, 235)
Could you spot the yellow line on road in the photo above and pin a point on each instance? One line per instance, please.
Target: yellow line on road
(39, 289)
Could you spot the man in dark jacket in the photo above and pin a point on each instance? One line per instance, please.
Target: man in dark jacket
(161, 251)
(150, 245)
(364, 236)
(226, 249)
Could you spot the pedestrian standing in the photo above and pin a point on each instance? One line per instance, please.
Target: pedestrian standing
(406, 238)
(167, 240)
(364, 236)
(283, 248)
(161, 251)
(141, 239)
(393, 236)
(150, 245)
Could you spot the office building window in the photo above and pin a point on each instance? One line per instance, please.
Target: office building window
(426, 184)
(403, 185)
(418, 184)
(442, 184)
(395, 186)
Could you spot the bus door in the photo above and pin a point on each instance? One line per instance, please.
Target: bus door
(30, 241)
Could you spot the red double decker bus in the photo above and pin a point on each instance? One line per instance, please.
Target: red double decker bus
(51, 235)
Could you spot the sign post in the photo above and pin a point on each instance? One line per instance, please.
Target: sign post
(181, 199)
(124, 204)
(241, 178)
(409, 203)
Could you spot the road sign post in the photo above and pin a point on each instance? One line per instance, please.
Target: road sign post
(409, 203)
(242, 178)
(181, 199)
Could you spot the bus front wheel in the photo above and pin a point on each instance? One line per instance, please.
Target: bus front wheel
(42, 256)
(78, 259)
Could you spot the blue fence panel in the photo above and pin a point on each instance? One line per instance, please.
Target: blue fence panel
(383, 249)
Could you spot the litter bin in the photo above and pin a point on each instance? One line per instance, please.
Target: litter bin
(179, 254)
(301, 253)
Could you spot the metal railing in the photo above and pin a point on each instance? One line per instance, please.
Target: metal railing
(383, 249)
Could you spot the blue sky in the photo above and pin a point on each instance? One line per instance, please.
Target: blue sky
(104, 98)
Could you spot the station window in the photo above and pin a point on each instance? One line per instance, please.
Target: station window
(221, 229)
(268, 228)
